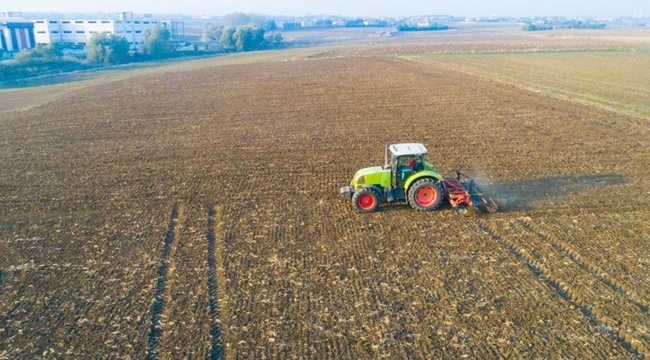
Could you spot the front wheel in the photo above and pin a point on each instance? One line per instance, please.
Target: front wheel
(425, 194)
(366, 200)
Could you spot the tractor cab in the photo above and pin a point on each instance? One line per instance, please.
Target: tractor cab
(405, 160)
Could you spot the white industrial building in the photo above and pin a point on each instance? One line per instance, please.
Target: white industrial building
(71, 32)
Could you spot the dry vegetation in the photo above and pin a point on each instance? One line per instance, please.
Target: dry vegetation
(193, 212)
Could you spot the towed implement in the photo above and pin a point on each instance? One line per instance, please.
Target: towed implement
(406, 176)
(463, 191)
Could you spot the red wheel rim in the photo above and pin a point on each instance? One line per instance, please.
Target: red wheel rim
(426, 196)
(366, 201)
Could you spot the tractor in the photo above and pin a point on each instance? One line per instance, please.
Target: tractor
(407, 176)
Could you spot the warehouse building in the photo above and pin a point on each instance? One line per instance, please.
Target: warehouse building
(16, 34)
(124, 24)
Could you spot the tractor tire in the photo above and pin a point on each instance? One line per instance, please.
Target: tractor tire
(365, 200)
(425, 194)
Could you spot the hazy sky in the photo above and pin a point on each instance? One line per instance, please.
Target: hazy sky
(595, 8)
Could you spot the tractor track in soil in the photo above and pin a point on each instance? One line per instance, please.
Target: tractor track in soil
(589, 267)
(215, 254)
(3, 275)
(566, 292)
(162, 286)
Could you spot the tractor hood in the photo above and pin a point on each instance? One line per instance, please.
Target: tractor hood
(375, 175)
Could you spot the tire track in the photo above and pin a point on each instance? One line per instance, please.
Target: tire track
(568, 293)
(3, 275)
(215, 262)
(9, 253)
(160, 297)
(591, 268)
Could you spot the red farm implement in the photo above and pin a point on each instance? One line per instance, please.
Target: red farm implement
(463, 191)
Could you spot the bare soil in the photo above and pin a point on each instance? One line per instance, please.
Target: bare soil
(195, 213)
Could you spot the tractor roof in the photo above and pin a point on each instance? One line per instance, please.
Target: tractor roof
(408, 149)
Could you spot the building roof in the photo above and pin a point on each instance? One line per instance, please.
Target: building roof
(408, 149)
(14, 20)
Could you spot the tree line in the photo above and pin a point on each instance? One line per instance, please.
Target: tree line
(572, 24)
(106, 48)
(247, 37)
(42, 59)
(433, 27)
(243, 32)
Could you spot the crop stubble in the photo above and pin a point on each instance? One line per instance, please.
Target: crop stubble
(267, 262)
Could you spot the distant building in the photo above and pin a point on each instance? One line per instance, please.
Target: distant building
(8, 14)
(124, 24)
(424, 23)
(16, 33)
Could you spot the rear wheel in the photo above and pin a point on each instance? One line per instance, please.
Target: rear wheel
(425, 194)
(366, 200)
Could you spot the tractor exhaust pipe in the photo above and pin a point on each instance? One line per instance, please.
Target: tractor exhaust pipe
(386, 157)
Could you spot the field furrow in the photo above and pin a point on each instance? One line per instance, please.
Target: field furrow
(216, 285)
(188, 302)
(586, 264)
(597, 298)
(161, 294)
(616, 243)
(88, 284)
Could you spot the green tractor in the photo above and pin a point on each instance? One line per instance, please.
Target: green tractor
(407, 176)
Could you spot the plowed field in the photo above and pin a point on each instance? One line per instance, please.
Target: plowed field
(195, 212)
